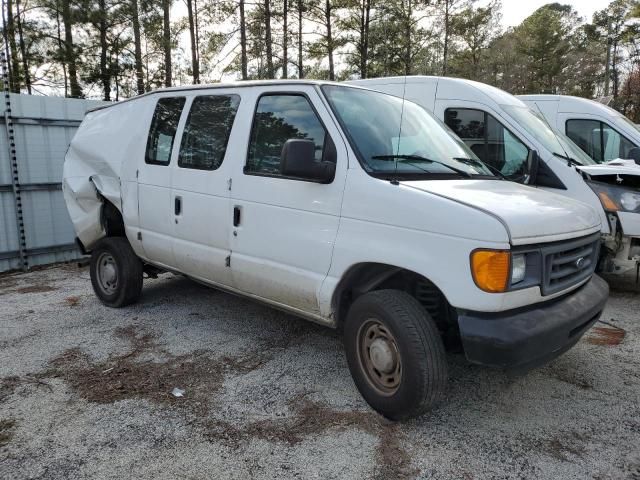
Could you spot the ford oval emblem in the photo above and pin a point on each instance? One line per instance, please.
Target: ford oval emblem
(579, 263)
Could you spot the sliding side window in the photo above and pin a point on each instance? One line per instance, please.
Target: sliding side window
(163, 130)
(206, 133)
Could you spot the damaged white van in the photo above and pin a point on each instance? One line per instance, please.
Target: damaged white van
(507, 135)
(344, 206)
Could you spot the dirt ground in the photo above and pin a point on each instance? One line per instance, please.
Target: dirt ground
(86, 392)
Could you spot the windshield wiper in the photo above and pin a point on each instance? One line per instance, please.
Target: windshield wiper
(569, 159)
(409, 159)
(478, 163)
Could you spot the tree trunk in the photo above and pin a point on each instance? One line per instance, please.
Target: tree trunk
(615, 72)
(60, 48)
(166, 41)
(243, 43)
(13, 50)
(267, 39)
(70, 57)
(300, 59)
(194, 48)
(365, 11)
(332, 75)
(105, 75)
(7, 83)
(116, 70)
(446, 38)
(285, 39)
(138, 47)
(407, 39)
(23, 50)
(607, 65)
(197, 29)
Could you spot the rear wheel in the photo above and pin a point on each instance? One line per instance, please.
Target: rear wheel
(395, 354)
(116, 272)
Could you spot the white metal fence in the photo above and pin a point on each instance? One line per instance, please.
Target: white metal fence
(35, 228)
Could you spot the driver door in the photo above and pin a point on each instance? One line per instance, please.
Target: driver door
(283, 228)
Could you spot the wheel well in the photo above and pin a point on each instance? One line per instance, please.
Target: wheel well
(111, 220)
(367, 277)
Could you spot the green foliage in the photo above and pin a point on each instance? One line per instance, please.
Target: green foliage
(553, 50)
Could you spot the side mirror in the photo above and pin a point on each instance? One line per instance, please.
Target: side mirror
(634, 154)
(533, 162)
(298, 160)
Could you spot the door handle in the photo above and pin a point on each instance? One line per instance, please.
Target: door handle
(236, 216)
(177, 206)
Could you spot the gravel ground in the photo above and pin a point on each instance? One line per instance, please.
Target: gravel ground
(85, 392)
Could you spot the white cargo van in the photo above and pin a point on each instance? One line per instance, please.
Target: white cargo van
(603, 133)
(504, 133)
(344, 206)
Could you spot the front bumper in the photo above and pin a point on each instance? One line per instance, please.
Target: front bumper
(533, 335)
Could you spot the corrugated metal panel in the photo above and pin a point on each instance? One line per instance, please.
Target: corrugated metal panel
(44, 127)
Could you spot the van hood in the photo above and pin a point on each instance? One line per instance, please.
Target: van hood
(612, 167)
(530, 215)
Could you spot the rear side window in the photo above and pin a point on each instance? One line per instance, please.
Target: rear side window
(207, 130)
(163, 130)
(489, 140)
(279, 118)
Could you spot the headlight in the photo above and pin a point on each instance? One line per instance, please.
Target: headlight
(518, 268)
(615, 198)
(630, 201)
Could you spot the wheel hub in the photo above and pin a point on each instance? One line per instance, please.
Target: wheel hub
(379, 357)
(107, 273)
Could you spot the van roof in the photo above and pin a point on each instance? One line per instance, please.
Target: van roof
(209, 86)
(460, 88)
(570, 104)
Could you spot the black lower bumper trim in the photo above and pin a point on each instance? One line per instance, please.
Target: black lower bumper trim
(526, 338)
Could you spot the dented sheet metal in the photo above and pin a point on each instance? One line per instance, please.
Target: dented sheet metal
(613, 167)
(95, 165)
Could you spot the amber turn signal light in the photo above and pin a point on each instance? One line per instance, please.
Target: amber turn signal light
(490, 269)
(607, 203)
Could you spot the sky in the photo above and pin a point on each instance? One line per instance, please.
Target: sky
(514, 11)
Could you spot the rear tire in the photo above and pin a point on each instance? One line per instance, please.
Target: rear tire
(116, 272)
(395, 354)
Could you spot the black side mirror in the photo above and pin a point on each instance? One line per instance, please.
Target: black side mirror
(298, 160)
(533, 162)
(634, 154)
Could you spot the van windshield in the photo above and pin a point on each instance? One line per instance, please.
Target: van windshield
(550, 138)
(629, 122)
(396, 138)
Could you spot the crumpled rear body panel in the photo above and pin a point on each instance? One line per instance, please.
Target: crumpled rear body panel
(101, 156)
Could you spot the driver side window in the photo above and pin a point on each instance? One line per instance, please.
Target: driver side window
(277, 119)
(489, 140)
(598, 140)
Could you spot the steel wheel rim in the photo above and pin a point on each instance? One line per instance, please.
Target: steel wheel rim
(379, 357)
(107, 273)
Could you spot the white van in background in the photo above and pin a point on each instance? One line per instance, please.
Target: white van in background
(602, 132)
(519, 142)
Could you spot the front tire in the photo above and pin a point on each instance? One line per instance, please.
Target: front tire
(116, 272)
(395, 354)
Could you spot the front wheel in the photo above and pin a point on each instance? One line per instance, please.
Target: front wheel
(116, 272)
(395, 354)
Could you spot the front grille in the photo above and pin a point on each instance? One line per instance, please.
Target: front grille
(569, 263)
